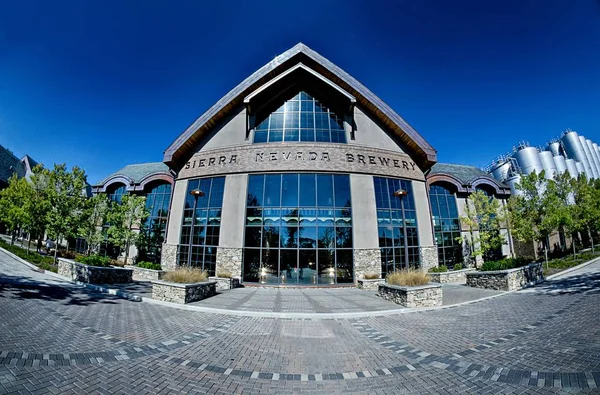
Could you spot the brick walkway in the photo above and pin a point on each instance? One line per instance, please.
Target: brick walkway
(60, 338)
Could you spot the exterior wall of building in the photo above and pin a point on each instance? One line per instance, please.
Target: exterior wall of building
(370, 134)
(231, 132)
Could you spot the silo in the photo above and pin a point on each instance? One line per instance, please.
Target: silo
(512, 183)
(572, 167)
(581, 168)
(594, 157)
(559, 161)
(554, 147)
(574, 149)
(548, 164)
(500, 170)
(586, 149)
(597, 150)
(528, 160)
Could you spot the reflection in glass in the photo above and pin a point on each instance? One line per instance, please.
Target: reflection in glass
(299, 221)
(446, 224)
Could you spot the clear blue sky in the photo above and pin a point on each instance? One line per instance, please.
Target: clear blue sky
(102, 84)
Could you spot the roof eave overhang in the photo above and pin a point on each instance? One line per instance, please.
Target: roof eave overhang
(175, 154)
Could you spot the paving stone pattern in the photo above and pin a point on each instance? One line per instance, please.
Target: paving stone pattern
(60, 338)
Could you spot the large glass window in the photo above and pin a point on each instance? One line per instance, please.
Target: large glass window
(117, 194)
(157, 203)
(397, 224)
(301, 118)
(203, 232)
(446, 225)
(298, 229)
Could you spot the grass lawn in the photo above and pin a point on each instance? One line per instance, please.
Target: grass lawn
(41, 261)
(560, 264)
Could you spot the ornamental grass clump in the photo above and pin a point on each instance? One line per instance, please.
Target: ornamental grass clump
(407, 278)
(186, 276)
(224, 274)
(372, 276)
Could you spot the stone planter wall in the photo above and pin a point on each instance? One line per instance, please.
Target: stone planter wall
(452, 276)
(507, 280)
(147, 274)
(93, 274)
(224, 283)
(370, 285)
(182, 293)
(429, 295)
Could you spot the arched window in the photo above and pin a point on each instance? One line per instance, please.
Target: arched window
(446, 224)
(157, 203)
(117, 194)
(301, 118)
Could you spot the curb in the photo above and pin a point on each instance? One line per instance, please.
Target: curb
(572, 269)
(98, 288)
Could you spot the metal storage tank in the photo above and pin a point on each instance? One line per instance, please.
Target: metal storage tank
(528, 159)
(581, 168)
(597, 150)
(574, 149)
(594, 157)
(548, 163)
(554, 147)
(572, 167)
(588, 154)
(512, 183)
(500, 170)
(561, 165)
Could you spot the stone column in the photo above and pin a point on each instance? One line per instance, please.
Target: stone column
(169, 248)
(427, 248)
(233, 216)
(367, 256)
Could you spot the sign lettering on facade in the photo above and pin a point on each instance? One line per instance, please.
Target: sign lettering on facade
(331, 158)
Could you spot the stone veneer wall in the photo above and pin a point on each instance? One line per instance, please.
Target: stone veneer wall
(507, 280)
(230, 260)
(452, 276)
(370, 285)
(224, 284)
(423, 296)
(93, 274)
(147, 274)
(428, 257)
(168, 259)
(182, 293)
(366, 261)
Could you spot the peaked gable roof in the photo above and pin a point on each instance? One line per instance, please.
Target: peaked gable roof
(175, 154)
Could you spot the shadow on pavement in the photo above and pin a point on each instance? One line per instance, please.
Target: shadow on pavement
(588, 283)
(27, 288)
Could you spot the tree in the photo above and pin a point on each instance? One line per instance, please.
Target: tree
(484, 216)
(12, 204)
(122, 217)
(66, 191)
(95, 213)
(585, 211)
(37, 205)
(557, 201)
(529, 218)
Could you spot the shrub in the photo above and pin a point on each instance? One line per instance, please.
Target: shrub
(186, 275)
(94, 260)
(224, 274)
(409, 278)
(457, 266)
(504, 264)
(372, 276)
(439, 269)
(149, 265)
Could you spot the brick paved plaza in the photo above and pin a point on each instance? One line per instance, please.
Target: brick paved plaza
(60, 338)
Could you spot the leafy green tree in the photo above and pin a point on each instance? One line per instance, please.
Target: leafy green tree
(66, 192)
(529, 217)
(37, 205)
(585, 211)
(95, 212)
(12, 205)
(557, 202)
(122, 217)
(484, 218)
